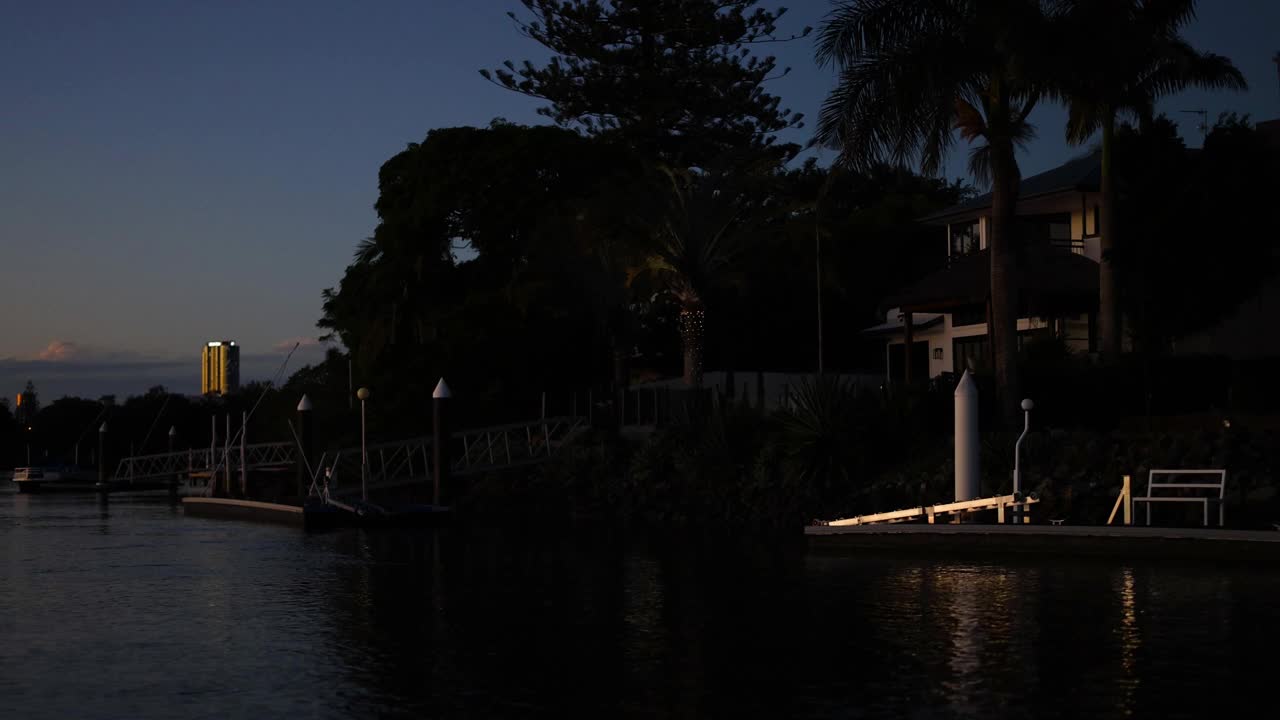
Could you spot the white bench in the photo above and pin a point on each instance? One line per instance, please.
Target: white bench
(1216, 490)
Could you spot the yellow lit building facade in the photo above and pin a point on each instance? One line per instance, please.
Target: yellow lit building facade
(220, 368)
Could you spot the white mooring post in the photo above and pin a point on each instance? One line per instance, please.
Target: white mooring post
(441, 461)
(967, 439)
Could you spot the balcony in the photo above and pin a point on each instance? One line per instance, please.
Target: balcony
(1075, 247)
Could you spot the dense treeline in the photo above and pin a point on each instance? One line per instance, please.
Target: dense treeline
(519, 259)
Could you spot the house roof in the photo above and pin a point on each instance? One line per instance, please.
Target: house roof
(921, 321)
(1084, 174)
(1049, 280)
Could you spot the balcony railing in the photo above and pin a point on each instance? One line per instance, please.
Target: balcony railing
(1076, 247)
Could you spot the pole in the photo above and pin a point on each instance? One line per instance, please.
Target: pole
(102, 457)
(363, 394)
(1027, 405)
(307, 440)
(226, 455)
(817, 254)
(173, 435)
(440, 439)
(244, 438)
(967, 439)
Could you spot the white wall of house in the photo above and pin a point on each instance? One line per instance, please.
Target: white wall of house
(940, 337)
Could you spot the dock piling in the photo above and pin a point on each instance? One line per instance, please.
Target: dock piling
(967, 447)
(307, 444)
(440, 439)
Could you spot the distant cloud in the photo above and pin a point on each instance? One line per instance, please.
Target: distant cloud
(286, 345)
(58, 351)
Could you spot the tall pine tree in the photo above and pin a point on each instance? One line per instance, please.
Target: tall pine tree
(677, 79)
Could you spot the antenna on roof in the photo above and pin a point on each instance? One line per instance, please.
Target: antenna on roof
(1203, 127)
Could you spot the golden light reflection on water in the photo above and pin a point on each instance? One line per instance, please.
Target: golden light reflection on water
(981, 616)
(1130, 640)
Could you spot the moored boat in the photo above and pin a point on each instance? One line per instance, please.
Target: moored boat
(38, 479)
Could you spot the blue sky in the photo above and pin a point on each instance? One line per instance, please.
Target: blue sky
(178, 171)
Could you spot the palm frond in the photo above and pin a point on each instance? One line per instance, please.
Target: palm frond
(854, 27)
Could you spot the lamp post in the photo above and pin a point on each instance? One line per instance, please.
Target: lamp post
(1027, 406)
(363, 394)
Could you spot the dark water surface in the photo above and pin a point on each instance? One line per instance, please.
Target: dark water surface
(133, 611)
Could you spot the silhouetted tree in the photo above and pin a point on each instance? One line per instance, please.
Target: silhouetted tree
(29, 406)
(676, 79)
(1135, 56)
(1176, 205)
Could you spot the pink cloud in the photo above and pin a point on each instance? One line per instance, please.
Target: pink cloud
(286, 345)
(59, 351)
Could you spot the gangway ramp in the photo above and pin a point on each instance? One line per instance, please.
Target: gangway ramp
(1000, 503)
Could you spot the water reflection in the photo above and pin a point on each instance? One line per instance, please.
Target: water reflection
(1130, 641)
(216, 619)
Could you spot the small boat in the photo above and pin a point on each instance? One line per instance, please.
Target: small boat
(37, 479)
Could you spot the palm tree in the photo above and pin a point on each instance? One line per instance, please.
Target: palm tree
(1135, 56)
(911, 73)
(697, 247)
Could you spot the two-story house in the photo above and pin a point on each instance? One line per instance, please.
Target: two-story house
(943, 316)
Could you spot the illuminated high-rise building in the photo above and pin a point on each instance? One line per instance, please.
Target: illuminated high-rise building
(220, 368)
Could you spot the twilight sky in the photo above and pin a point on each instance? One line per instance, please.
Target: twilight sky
(175, 171)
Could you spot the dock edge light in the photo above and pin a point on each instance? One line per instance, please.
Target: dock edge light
(363, 393)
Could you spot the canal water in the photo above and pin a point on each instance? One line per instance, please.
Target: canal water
(130, 610)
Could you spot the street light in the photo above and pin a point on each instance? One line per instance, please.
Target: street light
(1027, 407)
(363, 394)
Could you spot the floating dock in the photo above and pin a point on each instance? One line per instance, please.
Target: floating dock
(1115, 542)
(316, 515)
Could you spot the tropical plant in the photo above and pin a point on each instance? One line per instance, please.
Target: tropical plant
(698, 244)
(911, 73)
(821, 435)
(1135, 57)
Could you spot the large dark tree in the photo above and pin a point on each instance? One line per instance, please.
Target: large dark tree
(676, 78)
(489, 263)
(912, 73)
(1135, 56)
(1200, 227)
